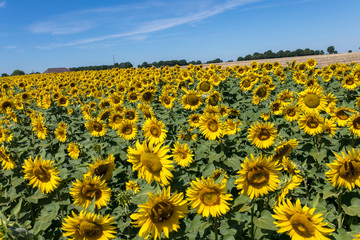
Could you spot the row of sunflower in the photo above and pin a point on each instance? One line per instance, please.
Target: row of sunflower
(246, 152)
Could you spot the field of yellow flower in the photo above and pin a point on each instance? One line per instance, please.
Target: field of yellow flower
(245, 152)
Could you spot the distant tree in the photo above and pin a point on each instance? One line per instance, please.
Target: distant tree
(350, 51)
(229, 61)
(248, 57)
(217, 60)
(240, 59)
(17, 72)
(331, 49)
(4, 75)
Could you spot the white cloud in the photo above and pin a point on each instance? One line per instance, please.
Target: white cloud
(11, 47)
(2, 4)
(196, 11)
(57, 28)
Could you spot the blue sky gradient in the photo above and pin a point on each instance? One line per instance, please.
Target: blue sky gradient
(36, 35)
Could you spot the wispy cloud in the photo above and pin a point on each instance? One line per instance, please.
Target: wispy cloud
(11, 47)
(190, 12)
(2, 4)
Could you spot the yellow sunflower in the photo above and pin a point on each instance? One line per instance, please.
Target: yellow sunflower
(60, 132)
(354, 125)
(115, 120)
(211, 126)
(289, 185)
(183, 156)
(146, 110)
(132, 186)
(231, 127)
(39, 128)
(89, 226)
(208, 197)
(87, 189)
(261, 92)
(96, 127)
(342, 115)
(160, 214)
(284, 149)
(311, 123)
(262, 135)
(246, 84)
(102, 168)
(345, 170)
(350, 82)
(73, 150)
(166, 101)
(194, 120)
(329, 127)
(191, 100)
(154, 131)
(127, 130)
(300, 222)
(258, 177)
(5, 160)
(312, 100)
(131, 114)
(291, 113)
(147, 96)
(151, 162)
(42, 174)
(213, 99)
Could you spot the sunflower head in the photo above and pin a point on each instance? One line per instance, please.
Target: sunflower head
(262, 135)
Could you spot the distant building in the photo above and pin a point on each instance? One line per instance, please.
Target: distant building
(57, 70)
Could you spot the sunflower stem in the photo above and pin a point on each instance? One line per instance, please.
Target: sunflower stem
(339, 210)
(216, 227)
(252, 230)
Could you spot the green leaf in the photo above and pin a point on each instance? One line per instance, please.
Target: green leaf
(353, 209)
(91, 207)
(266, 221)
(16, 210)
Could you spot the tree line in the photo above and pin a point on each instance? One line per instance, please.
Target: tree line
(266, 55)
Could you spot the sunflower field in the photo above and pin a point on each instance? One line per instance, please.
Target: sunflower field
(245, 152)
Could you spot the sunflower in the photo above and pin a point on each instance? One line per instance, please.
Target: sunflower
(204, 86)
(131, 114)
(211, 126)
(60, 132)
(354, 125)
(132, 186)
(258, 177)
(288, 186)
(276, 107)
(345, 170)
(6, 103)
(191, 100)
(183, 156)
(127, 130)
(329, 127)
(63, 101)
(246, 84)
(154, 131)
(261, 92)
(96, 127)
(147, 96)
(214, 98)
(73, 150)
(89, 226)
(166, 101)
(39, 128)
(115, 120)
(291, 112)
(284, 149)
(208, 197)
(231, 127)
(146, 110)
(300, 222)
(342, 115)
(151, 162)
(41, 174)
(5, 160)
(311, 123)
(310, 63)
(160, 214)
(102, 168)
(194, 120)
(87, 189)
(262, 135)
(312, 100)
(350, 82)
(289, 166)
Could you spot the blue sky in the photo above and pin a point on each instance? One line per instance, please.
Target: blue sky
(36, 35)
